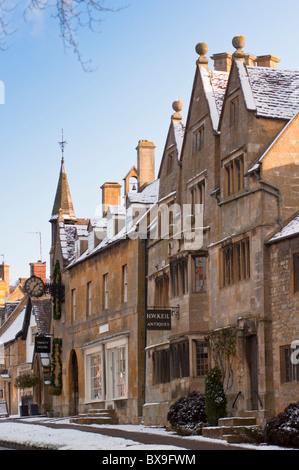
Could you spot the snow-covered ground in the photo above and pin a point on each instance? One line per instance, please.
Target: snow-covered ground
(72, 439)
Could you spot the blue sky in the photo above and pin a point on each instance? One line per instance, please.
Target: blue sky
(143, 59)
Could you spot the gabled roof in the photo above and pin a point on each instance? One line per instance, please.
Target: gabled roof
(270, 92)
(291, 229)
(149, 195)
(214, 83)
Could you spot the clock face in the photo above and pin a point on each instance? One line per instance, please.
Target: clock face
(34, 286)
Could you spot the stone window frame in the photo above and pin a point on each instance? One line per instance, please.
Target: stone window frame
(289, 373)
(198, 138)
(234, 182)
(295, 274)
(234, 262)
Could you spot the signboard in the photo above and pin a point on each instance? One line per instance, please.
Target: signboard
(42, 344)
(3, 408)
(158, 320)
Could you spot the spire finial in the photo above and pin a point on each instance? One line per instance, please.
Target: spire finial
(202, 49)
(177, 106)
(238, 43)
(62, 144)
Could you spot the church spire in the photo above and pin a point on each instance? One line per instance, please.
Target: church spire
(63, 199)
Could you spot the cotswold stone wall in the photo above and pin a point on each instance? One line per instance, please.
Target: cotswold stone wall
(284, 310)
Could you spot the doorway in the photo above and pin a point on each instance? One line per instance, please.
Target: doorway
(74, 384)
(252, 361)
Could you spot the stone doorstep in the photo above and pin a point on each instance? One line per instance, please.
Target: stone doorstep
(237, 421)
(222, 432)
(96, 416)
(228, 429)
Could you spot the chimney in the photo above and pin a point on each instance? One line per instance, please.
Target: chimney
(4, 278)
(145, 163)
(250, 60)
(222, 61)
(110, 196)
(39, 269)
(267, 61)
(2, 293)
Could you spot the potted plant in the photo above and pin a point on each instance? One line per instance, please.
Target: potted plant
(26, 381)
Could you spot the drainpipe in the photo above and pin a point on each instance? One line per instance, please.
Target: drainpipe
(278, 195)
(145, 309)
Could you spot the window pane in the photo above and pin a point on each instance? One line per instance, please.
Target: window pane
(96, 380)
(200, 273)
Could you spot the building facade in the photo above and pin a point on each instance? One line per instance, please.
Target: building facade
(238, 164)
(101, 321)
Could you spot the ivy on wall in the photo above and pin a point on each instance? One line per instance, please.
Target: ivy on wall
(56, 292)
(56, 359)
(223, 345)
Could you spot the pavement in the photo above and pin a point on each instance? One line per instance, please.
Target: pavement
(140, 437)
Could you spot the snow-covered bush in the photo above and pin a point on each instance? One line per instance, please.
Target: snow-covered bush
(187, 415)
(215, 399)
(283, 430)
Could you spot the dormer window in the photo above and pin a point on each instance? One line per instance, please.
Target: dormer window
(198, 140)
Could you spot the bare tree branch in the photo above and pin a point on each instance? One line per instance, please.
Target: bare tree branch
(71, 15)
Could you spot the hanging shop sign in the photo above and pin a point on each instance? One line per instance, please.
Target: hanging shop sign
(158, 319)
(42, 344)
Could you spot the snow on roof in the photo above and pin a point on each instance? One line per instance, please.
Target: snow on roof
(42, 312)
(219, 83)
(149, 195)
(100, 222)
(82, 230)
(14, 328)
(246, 86)
(275, 91)
(179, 131)
(117, 210)
(214, 83)
(290, 230)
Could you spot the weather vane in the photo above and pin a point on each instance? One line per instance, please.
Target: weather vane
(62, 145)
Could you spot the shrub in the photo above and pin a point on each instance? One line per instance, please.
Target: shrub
(215, 399)
(283, 430)
(252, 435)
(188, 410)
(193, 429)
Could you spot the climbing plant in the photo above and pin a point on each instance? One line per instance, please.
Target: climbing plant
(56, 291)
(223, 348)
(56, 387)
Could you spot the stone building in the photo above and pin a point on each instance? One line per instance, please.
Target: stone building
(21, 319)
(284, 294)
(236, 166)
(100, 324)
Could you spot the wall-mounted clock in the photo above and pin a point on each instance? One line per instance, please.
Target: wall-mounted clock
(34, 286)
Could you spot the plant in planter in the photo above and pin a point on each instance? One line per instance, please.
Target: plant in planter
(23, 382)
(26, 381)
